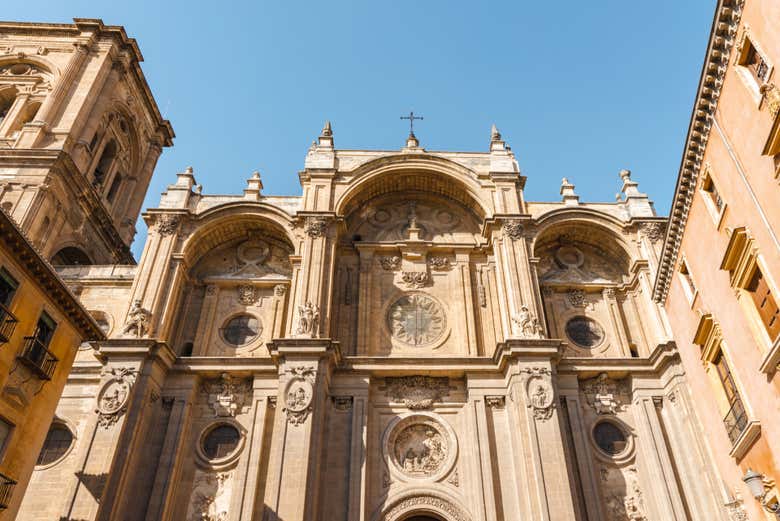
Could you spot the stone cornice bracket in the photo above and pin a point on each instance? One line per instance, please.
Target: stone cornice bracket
(722, 39)
(283, 349)
(314, 225)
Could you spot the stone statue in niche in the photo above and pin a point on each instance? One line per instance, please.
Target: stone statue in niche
(420, 449)
(526, 325)
(138, 319)
(308, 320)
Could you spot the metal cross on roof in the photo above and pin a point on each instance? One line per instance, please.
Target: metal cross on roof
(411, 117)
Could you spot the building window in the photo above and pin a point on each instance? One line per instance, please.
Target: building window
(735, 419)
(712, 197)
(585, 332)
(7, 98)
(114, 188)
(755, 63)
(241, 330)
(221, 441)
(71, 256)
(765, 303)
(102, 170)
(726, 393)
(610, 438)
(57, 444)
(687, 281)
(8, 321)
(35, 352)
(5, 433)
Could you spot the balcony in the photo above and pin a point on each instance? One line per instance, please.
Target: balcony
(7, 324)
(38, 358)
(735, 420)
(6, 490)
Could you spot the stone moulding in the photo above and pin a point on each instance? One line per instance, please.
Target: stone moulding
(422, 501)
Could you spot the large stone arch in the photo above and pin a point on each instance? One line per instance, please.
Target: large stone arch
(231, 221)
(419, 172)
(421, 502)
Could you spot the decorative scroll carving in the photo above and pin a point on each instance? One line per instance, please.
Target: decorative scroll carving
(436, 504)
(513, 228)
(576, 298)
(495, 402)
(454, 479)
(390, 263)
(247, 294)
(315, 226)
(299, 393)
(417, 392)
(415, 279)
(601, 393)
(167, 224)
(138, 319)
(227, 395)
(308, 321)
(526, 325)
(113, 397)
(653, 231)
(540, 392)
(439, 263)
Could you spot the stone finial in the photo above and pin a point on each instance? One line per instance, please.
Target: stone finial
(637, 203)
(567, 191)
(326, 136)
(412, 141)
(254, 187)
(495, 135)
(186, 178)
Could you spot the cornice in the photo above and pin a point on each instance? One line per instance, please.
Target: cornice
(721, 42)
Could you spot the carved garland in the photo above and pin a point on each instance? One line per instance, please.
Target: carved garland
(417, 392)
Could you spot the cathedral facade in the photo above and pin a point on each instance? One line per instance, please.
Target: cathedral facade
(409, 339)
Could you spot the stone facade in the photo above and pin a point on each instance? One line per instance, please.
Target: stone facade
(718, 279)
(407, 339)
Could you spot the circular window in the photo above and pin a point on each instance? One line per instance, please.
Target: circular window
(56, 445)
(221, 441)
(241, 330)
(585, 332)
(610, 438)
(416, 320)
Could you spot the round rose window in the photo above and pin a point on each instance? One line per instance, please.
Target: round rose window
(585, 332)
(416, 320)
(610, 438)
(241, 330)
(221, 441)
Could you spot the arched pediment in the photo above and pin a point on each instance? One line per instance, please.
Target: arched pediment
(418, 173)
(421, 502)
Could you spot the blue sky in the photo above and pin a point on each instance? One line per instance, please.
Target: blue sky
(578, 89)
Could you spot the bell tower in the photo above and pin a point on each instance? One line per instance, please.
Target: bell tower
(80, 135)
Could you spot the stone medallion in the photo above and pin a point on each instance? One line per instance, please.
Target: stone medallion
(420, 447)
(253, 252)
(416, 319)
(298, 395)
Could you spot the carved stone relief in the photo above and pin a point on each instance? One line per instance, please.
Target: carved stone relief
(653, 231)
(299, 393)
(167, 224)
(439, 263)
(603, 393)
(308, 321)
(495, 402)
(315, 226)
(526, 325)
(428, 503)
(417, 392)
(415, 279)
(420, 447)
(138, 321)
(513, 229)
(114, 395)
(247, 294)
(416, 320)
(228, 395)
(390, 263)
(210, 498)
(540, 394)
(569, 264)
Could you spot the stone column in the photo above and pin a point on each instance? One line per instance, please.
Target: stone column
(305, 365)
(463, 265)
(163, 492)
(662, 491)
(618, 327)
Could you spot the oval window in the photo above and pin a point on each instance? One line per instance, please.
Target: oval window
(585, 332)
(610, 438)
(56, 445)
(221, 441)
(241, 330)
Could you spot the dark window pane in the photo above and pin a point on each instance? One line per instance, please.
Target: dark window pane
(610, 438)
(221, 441)
(57, 443)
(241, 330)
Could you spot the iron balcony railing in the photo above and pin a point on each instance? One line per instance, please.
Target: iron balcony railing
(735, 420)
(6, 490)
(7, 324)
(38, 358)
